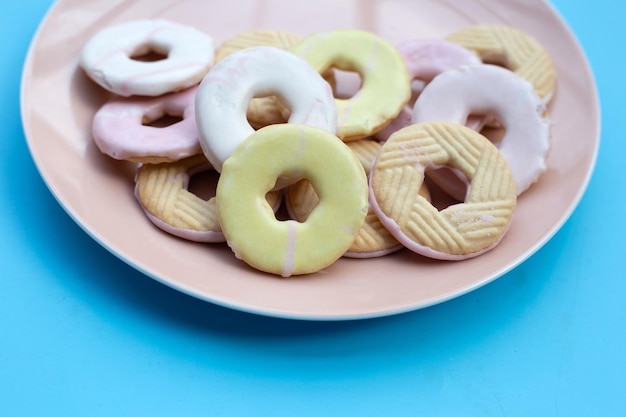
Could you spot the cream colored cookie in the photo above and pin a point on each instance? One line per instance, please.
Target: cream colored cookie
(385, 83)
(459, 231)
(275, 38)
(293, 152)
(513, 49)
(162, 191)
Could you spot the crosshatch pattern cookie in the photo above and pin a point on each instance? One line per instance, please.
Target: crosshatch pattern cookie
(276, 38)
(461, 230)
(514, 49)
(162, 191)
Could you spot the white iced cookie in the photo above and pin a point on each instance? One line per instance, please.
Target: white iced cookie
(425, 59)
(510, 99)
(112, 57)
(224, 94)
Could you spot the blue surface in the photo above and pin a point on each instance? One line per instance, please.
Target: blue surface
(83, 334)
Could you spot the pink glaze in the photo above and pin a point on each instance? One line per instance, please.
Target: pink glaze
(425, 59)
(118, 127)
(187, 234)
(107, 57)
(498, 92)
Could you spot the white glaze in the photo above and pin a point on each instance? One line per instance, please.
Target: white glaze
(107, 57)
(224, 95)
(493, 90)
(425, 59)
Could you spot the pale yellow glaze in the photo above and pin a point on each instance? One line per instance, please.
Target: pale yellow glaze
(385, 82)
(294, 152)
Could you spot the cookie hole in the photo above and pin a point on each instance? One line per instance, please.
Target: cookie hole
(203, 184)
(445, 187)
(163, 120)
(264, 110)
(149, 53)
(301, 199)
(347, 83)
(497, 60)
(488, 126)
(282, 214)
(493, 133)
(416, 89)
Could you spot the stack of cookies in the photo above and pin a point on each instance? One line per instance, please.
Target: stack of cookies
(348, 174)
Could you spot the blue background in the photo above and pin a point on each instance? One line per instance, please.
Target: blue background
(82, 333)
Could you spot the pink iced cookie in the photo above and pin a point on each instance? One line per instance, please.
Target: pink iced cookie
(498, 92)
(121, 128)
(425, 59)
(112, 57)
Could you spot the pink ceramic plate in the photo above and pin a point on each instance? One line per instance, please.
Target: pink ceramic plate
(58, 102)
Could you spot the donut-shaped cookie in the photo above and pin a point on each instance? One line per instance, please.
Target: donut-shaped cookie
(122, 128)
(374, 239)
(510, 99)
(276, 38)
(425, 59)
(300, 152)
(224, 94)
(385, 83)
(262, 111)
(513, 49)
(110, 57)
(459, 231)
(162, 191)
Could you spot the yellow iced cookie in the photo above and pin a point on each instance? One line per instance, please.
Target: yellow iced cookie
(385, 82)
(292, 152)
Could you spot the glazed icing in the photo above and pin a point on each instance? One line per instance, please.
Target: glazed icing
(425, 59)
(120, 128)
(224, 94)
(107, 57)
(289, 247)
(493, 90)
(385, 83)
